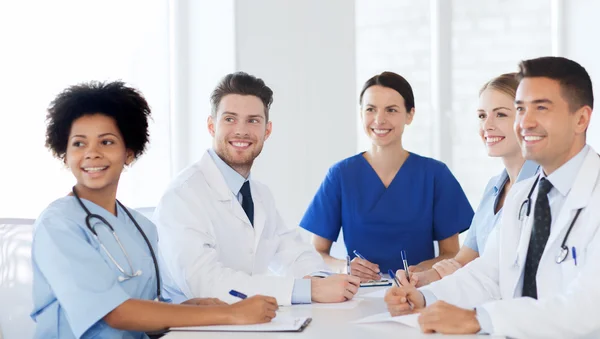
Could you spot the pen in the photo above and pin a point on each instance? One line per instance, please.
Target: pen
(348, 268)
(363, 258)
(405, 264)
(238, 294)
(574, 252)
(393, 276)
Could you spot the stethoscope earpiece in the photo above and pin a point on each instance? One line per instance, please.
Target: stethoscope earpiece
(562, 254)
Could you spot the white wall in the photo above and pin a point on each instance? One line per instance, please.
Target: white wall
(304, 50)
(62, 43)
(202, 52)
(581, 44)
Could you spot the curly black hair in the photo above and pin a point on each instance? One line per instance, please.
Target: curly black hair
(114, 99)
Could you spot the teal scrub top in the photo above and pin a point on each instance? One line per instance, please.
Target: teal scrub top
(75, 284)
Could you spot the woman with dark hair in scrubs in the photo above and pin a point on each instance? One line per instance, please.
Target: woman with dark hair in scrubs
(388, 199)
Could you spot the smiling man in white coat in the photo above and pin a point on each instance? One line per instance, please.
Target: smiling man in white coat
(539, 274)
(220, 230)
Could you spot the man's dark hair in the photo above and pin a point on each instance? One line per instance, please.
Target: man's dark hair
(243, 84)
(114, 99)
(575, 82)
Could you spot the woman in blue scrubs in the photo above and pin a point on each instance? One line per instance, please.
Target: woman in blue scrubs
(388, 199)
(95, 271)
(496, 114)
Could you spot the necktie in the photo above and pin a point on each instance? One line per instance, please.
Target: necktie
(247, 203)
(542, 219)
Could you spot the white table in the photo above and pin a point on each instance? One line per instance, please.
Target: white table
(330, 324)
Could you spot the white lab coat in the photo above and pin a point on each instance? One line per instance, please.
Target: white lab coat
(568, 294)
(209, 246)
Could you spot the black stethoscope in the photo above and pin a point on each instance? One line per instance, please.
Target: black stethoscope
(525, 210)
(132, 273)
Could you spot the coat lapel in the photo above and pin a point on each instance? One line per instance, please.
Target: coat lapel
(523, 233)
(219, 188)
(578, 197)
(260, 213)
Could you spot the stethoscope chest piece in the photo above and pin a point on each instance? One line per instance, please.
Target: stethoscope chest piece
(562, 254)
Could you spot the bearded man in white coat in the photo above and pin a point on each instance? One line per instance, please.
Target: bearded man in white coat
(220, 230)
(539, 274)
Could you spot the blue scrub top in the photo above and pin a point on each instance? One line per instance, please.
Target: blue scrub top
(423, 203)
(486, 218)
(75, 284)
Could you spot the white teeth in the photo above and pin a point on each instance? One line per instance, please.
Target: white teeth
(240, 144)
(493, 139)
(381, 131)
(532, 138)
(94, 169)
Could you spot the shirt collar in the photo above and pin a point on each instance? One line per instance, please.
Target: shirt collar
(500, 182)
(528, 169)
(562, 179)
(233, 179)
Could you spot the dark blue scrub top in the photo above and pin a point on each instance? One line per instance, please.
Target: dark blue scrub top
(424, 202)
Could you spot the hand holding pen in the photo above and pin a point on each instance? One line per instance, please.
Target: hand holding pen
(406, 276)
(253, 310)
(404, 298)
(364, 269)
(397, 284)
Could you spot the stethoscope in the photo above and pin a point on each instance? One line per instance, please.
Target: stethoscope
(125, 275)
(526, 209)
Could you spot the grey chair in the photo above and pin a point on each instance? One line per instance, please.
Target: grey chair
(16, 278)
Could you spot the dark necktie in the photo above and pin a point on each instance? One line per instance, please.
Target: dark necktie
(247, 203)
(542, 219)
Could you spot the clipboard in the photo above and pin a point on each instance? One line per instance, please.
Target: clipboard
(375, 283)
(279, 324)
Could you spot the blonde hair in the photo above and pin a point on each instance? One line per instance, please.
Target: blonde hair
(505, 83)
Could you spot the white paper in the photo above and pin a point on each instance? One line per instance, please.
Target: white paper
(346, 305)
(408, 320)
(376, 294)
(279, 323)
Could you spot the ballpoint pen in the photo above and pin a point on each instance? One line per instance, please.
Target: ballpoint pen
(393, 276)
(348, 268)
(238, 294)
(363, 258)
(405, 264)
(574, 252)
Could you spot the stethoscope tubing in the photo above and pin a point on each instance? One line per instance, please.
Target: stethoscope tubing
(560, 257)
(90, 216)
